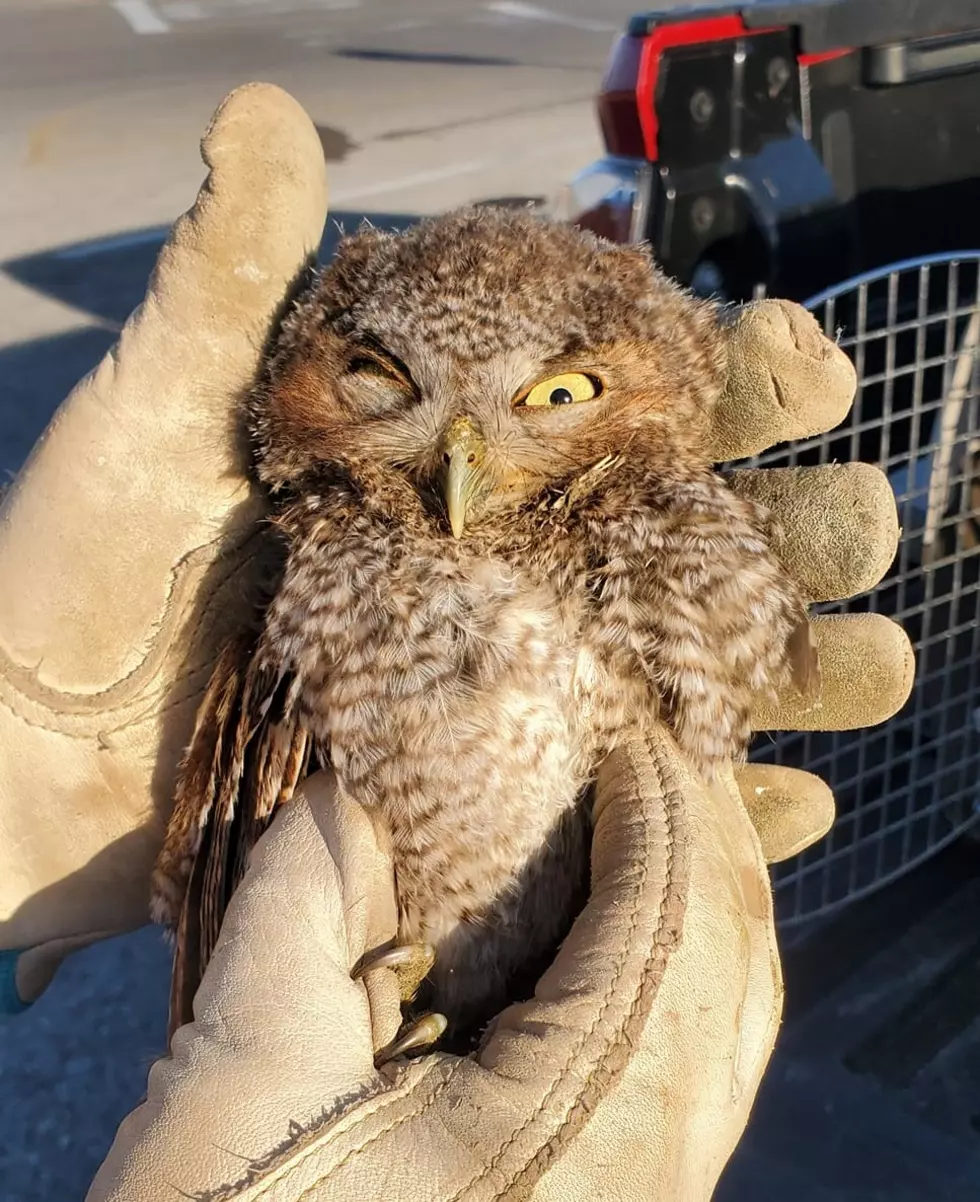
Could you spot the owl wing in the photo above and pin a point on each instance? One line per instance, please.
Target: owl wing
(248, 752)
(692, 589)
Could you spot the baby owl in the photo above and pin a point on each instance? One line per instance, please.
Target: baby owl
(501, 548)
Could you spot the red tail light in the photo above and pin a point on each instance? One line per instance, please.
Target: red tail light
(619, 116)
(628, 93)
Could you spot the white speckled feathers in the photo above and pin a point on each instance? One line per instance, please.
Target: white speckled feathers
(465, 690)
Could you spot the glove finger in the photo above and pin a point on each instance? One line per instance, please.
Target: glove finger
(867, 668)
(786, 380)
(839, 523)
(627, 1002)
(132, 535)
(789, 809)
(149, 433)
(280, 1030)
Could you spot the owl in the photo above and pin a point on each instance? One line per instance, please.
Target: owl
(499, 549)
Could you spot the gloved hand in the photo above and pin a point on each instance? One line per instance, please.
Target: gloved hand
(126, 546)
(100, 688)
(629, 1076)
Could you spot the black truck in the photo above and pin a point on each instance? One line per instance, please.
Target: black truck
(786, 147)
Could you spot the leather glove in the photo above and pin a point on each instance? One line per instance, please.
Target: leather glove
(630, 1075)
(125, 550)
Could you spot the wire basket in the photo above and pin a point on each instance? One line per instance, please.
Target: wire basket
(908, 787)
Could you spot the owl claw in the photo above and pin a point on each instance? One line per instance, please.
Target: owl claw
(410, 962)
(422, 1033)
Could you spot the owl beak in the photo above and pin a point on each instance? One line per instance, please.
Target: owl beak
(463, 452)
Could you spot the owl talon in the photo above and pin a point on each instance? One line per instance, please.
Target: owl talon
(410, 962)
(422, 1033)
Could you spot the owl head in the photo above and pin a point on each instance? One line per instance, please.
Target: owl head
(479, 359)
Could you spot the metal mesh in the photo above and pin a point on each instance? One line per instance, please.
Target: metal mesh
(904, 789)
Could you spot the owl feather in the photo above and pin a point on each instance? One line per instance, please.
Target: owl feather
(504, 551)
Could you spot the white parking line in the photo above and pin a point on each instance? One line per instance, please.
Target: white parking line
(141, 16)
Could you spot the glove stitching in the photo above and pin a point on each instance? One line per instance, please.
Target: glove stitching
(300, 1155)
(93, 705)
(612, 1064)
(145, 714)
(575, 1051)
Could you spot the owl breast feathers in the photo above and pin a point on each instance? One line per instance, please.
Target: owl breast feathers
(503, 550)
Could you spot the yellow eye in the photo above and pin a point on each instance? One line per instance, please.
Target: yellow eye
(566, 389)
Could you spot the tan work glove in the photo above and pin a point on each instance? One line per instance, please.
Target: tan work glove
(629, 1076)
(124, 550)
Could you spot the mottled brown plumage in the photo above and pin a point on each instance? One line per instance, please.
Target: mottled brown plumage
(466, 689)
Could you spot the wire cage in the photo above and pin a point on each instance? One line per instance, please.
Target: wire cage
(908, 787)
